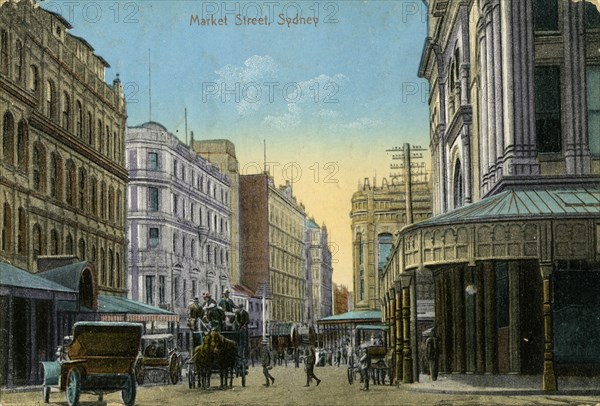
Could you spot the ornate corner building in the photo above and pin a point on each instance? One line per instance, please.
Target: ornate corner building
(514, 246)
(62, 174)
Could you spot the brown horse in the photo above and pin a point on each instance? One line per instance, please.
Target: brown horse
(218, 352)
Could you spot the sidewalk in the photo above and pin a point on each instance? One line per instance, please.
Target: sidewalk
(504, 385)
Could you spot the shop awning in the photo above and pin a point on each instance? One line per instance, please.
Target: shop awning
(356, 316)
(118, 308)
(18, 282)
(281, 329)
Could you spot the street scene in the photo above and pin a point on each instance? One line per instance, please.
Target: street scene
(386, 202)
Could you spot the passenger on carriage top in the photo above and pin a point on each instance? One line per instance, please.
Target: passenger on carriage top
(208, 300)
(227, 303)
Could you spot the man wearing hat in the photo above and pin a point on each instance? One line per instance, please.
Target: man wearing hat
(227, 304)
(208, 300)
(195, 314)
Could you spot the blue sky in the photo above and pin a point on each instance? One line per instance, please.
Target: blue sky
(351, 69)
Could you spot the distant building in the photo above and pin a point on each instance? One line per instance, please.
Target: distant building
(378, 213)
(272, 249)
(340, 299)
(178, 222)
(319, 272)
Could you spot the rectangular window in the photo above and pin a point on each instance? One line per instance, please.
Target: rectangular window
(150, 289)
(176, 291)
(161, 289)
(153, 199)
(184, 292)
(545, 15)
(153, 237)
(593, 105)
(175, 168)
(152, 161)
(175, 204)
(592, 15)
(547, 109)
(194, 289)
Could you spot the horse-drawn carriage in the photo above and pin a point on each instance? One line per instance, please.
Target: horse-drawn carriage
(373, 339)
(99, 358)
(218, 347)
(159, 358)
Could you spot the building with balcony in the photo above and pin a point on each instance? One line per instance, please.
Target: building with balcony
(272, 250)
(178, 222)
(514, 247)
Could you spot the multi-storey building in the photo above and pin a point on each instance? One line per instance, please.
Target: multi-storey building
(62, 171)
(340, 298)
(515, 137)
(222, 154)
(319, 272)
(378, 213)
(178, 221)
(272, 247)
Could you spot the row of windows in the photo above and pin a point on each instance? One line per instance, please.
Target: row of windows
(68, 111)
(285, 310)
(197, 181)
(546, 15)
(213, 220)
(281, 220)
(188, 247)
(63, 181)
(157, 293)
(108, 266)
(285, 285)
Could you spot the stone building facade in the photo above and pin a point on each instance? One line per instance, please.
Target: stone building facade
(378, 213)
(62, 173)
(272, 247)
(514, 248)
(340, 299)
(178, 222)
(319, 269)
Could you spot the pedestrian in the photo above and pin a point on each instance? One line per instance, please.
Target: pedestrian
(297, 357)
(266, 364)
(432, 354)
(311, 358)
(338, 357)
(365, 365)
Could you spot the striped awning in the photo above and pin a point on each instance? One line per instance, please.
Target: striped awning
(118, 308)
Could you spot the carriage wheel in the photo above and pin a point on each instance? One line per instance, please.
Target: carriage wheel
(140, 374)
(174, 369)
(73, 387)
(191, 375)
(46, 394)
(350, 376)
(129, 391)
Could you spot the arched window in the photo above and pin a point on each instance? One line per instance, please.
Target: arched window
(22, 236)
(193, 248)
(94, 255)
(70, 183)
(111, 204)
(8, 139)
(119, 276)
(103, 200)
(111, 268)
(82, 189)
(79, 119)
(54, 246)
(458, 185)
(102, 267)
(94, 196)
(4, 53)
(116, 147)
(107, 134)
(39, 168)
(7, 228)
(55, 176)
(22, 145)
(81, 249)
(50, 99)
(34, 79)
(119, 208)
(38, 246)
(90, 129)
(66, 111)
(18, 61)
(69, 244)
(100, 136)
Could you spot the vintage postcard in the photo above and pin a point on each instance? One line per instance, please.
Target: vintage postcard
(307, 202)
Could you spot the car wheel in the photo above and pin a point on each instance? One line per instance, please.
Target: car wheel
(129, 391)
(73, 387)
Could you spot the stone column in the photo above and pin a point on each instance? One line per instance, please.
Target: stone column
(407, 362)
(491, 360)
(392, 330)
(549, 377)
(459, 324)
(399, 343)
(480, 321)
(514, 314)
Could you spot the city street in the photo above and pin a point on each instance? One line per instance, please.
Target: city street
(289, 390)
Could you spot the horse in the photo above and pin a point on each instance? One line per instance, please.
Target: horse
(218, 351)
